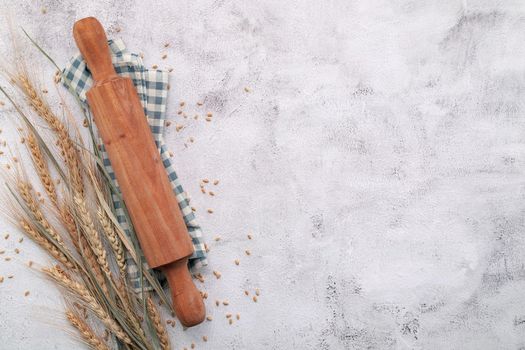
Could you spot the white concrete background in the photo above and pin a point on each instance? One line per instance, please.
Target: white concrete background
(378, 161)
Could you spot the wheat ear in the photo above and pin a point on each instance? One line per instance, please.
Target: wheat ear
(158, 325)
(24, 189)
(66, 144)
(80, 291)
(41, 168)
(92, 235)
(113, 239)
(86, 332)
(44, 243)
(83, 248)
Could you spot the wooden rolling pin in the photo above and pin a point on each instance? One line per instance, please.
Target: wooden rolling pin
(144, 183)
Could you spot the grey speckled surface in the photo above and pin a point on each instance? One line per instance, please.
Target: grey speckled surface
(378, 160)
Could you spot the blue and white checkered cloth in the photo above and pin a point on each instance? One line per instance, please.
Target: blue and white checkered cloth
(152, 88)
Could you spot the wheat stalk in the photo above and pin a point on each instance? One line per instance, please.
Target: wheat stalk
(154, 315)
(113, 239)
(80, 291)
(86, 332)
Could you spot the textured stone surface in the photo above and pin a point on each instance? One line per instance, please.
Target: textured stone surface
(378, 160)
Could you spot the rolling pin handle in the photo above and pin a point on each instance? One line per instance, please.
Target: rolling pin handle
(187, 300)
(93, 45)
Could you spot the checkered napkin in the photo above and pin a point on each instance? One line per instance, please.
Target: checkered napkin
(152, 88)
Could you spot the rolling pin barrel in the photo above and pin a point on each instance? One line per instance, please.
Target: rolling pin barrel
(144, 183)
